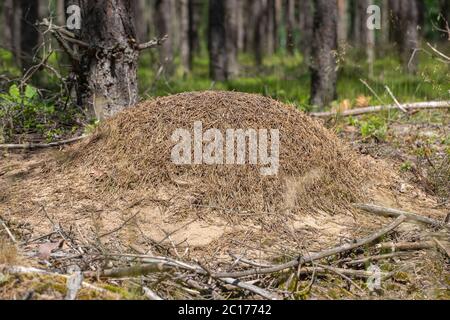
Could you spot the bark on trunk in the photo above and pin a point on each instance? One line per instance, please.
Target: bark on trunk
(29, 33)
(140, 22)
(61, 12)
(217, 40)
(240, 8)
(231, 30)
(445, 12)
(290, 22)
(367, 36)
(306, 22)
(195, 16)
(385, 23)
(184, 36)
(259, 48)
(270, 29)
(409, 14)
(405, 23)
(163, 12)
(323, 59)
(107, 71)
(343, 22)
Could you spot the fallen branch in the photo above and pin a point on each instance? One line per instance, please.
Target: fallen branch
(17, 270)
(406, 246)
(438, 52)
(32, 146)
(442, 248)
(395, 100)
(376, 258)
(151, 295)
(374, 109)
(316, 256)
(388, 212)
(13, 239)
(250, 287)
(133, 271)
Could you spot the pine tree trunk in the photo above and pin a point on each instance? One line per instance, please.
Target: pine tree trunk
(61, 12)
(108, 70)
(195, 17)
(163, 15)
(184, 34)
(231, 31)
(270, 27)
(29, 33)
(367, 36)
(290, 22)
(260, 32)
(240, 25)
(217, 40)
(140, 23)
(8, 25)
(385, 23)
(306, 22)
(278, 7)
(405, 31)
(409, 15)
(445, 12)
(323, 59)
(343, 22)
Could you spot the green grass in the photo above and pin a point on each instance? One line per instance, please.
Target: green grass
(286, 78)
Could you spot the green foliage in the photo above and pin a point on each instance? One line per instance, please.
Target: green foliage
(374, 127)
(406, 166)
(24, 111)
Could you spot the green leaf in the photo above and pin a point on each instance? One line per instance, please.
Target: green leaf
(14, 92)
(30, 92)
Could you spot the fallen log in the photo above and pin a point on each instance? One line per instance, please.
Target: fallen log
(388, 212)
(34, 146)
(375, 109)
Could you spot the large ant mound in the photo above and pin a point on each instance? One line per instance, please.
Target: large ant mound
(279, 161)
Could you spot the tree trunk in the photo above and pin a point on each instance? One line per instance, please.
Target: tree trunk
(140, 22)
(240, 8)
(270, 27)
(385, 23)
(343, 21)
(290, 22)
(367, 35)
(184, 36)
(163, 15)
(195, 17)
(407, 33)
(410, 23)
(259, 48)
(323, 59)
(29, 39)
(107, 71)
(8, 25)
(231, 31)
(445, 12)
(278, 7)
(217, 40)
(61, 12)
(306, 22)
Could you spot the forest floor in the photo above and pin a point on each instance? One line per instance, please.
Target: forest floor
(417, 147)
